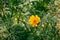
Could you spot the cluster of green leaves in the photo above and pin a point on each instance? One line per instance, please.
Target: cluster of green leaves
(14, 16)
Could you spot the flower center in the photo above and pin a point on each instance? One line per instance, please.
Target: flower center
(34, 21)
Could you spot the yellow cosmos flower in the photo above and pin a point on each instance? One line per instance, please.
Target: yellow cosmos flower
(34, 20)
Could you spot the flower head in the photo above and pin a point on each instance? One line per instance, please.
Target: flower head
(34, 20)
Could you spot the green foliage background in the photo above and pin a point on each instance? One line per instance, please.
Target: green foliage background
(14, 16)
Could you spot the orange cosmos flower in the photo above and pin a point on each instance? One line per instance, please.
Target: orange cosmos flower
(34, 20)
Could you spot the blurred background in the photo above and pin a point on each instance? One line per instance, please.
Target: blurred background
(15, 15)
